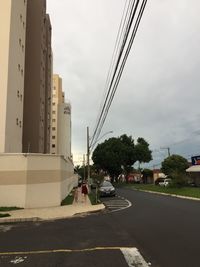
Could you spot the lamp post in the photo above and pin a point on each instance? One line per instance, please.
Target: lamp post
(89, 149)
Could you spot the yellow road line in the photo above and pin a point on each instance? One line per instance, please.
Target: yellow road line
(60, 251)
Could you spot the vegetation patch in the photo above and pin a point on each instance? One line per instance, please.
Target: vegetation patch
(69, 199)
(182, 191)
(10, 208)
(94, 198)
(2, 215)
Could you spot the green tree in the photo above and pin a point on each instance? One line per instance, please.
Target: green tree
(117, 155)
(107, 156)
(174, 163)
(142, 151)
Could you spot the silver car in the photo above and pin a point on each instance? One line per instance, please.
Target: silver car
(106, 189)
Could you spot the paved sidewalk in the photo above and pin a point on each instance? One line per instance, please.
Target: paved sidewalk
(53, 213)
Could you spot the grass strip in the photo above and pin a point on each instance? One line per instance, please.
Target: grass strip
(182, 191)
(10, 208)
(69, 199)
(2, 215)
(93, 198)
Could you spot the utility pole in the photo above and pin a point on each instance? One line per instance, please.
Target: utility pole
(84, 167)
(168, 149)
(88, 156)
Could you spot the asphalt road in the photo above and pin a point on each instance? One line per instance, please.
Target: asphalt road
(164, 229)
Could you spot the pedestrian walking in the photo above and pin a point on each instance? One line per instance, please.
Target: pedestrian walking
(84, 190)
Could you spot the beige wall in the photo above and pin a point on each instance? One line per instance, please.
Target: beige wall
(12, 56)
(34, 180)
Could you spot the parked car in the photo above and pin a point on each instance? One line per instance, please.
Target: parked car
(106, 189)
(158, 180)
(166, 182)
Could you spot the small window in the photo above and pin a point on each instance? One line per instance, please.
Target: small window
(53, 128)
(54, 103)
(17, 121)
(18, 93)
(18, 66)
(53, 112)
(53, 120)
(53, 145)
(53, 137)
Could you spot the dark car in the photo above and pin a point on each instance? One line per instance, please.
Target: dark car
(106, 189)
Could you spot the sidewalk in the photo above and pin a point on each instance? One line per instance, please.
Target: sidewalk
(53, 213)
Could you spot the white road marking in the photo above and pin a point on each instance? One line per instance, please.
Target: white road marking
(18, 260)
(133, 257)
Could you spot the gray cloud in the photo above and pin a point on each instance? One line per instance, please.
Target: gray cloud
(158, 96)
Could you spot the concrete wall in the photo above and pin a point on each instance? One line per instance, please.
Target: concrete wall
(35, 180)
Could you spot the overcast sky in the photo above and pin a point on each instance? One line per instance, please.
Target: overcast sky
(158, 97)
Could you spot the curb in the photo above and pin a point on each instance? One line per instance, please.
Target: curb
(167, 194)
(36, 219)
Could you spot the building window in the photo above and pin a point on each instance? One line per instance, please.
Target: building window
(18, 93)
(53, 128)
(53, 137)
(54, 103)
(18, 66)
(53, 145)
(17, 121)
(53, 120)
(53, 112)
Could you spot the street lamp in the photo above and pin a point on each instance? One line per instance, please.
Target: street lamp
(89, 149)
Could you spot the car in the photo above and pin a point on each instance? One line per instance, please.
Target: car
(158, 180)
(166, 182)
(106, 189)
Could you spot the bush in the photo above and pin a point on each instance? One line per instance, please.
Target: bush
(179, 179)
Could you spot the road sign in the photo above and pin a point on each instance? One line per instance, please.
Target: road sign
(196, 160)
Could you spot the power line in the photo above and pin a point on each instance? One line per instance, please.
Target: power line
(120, 63)
(123, 63)
(114, 61)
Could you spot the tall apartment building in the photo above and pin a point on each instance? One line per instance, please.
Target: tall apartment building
(38, 79)
(12, 57)
(61, 121)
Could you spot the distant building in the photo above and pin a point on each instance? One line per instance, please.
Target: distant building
(157, 173)
(61, 121)
(12, 58)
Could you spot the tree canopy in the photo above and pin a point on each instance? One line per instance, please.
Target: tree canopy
(119, 154)
(174, 163)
